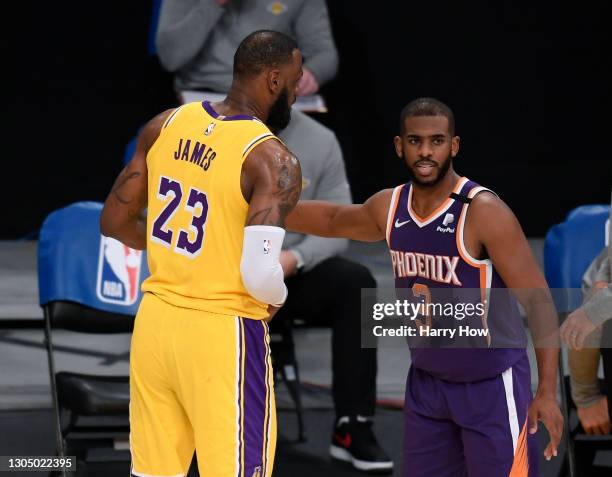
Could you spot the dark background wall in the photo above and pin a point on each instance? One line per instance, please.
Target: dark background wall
(526, 82)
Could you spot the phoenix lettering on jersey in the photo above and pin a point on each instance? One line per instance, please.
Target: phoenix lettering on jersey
(439, 268)
(198, 153)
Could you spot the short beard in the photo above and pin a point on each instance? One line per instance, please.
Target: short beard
(280, 113)
(442, 171)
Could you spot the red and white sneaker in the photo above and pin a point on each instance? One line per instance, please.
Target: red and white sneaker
(353, 441)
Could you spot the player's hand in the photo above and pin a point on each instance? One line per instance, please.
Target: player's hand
(272, 310)
(595, 419)
(576, 328)
(545, 408)
(308, 83)
(289, 263)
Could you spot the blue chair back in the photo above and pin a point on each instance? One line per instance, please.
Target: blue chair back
(78, 264)
(154, 23)
(569, 248)
(129, 150)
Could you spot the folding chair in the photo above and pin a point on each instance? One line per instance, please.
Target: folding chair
(569, 248)
(282, 348)
(88, 283)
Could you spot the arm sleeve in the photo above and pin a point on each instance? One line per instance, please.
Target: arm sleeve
(583, 364)
(262, 274)
(599, 307)
(599, 270)
(332, 186)
(583, 376)
(314, 37)
(184, 27)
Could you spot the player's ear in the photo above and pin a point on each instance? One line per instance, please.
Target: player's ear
(455, 145)
(274, 81)
(397, 141)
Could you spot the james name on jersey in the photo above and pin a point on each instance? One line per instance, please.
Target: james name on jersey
(198, 154)
(439, 268)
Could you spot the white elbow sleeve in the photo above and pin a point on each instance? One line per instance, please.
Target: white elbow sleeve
(261, 271)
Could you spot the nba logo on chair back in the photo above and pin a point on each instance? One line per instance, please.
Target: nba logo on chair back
(118, 272)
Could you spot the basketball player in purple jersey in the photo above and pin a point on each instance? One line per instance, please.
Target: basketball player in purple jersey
(468, 412)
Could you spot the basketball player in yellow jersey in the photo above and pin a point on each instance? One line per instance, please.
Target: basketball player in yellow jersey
(217, 185)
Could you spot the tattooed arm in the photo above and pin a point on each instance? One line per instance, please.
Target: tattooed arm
(271, 183)
(123, 215)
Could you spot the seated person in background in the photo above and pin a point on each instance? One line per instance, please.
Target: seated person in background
(196, 40)
(591, 403)
(588, 332)
(325, 289)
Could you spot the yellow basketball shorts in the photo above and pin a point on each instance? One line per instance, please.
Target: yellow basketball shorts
(200, 381)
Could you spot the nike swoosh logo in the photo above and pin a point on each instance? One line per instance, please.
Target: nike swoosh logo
(398, 224)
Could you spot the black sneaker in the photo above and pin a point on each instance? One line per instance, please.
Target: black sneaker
(353, 441)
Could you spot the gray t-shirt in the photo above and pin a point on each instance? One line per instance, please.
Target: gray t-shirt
(197, 39)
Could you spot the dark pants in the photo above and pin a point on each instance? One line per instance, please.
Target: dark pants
(606, 356)
(330, 295)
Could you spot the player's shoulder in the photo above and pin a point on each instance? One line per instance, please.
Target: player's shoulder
(151, 131)
(272, 161)
(487, 206)
(380, 201)
(176, 117)
(383, 195)
(160, 119)
(273, 151)
(485, 199)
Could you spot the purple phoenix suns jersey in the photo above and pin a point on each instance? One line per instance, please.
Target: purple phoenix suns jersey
(429, 253)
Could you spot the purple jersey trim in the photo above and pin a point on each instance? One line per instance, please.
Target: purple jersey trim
(238, 117)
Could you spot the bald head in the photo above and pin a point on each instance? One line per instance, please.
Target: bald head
(261, 50)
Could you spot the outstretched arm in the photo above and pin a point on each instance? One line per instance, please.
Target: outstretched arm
(365, 222)
(123, 215)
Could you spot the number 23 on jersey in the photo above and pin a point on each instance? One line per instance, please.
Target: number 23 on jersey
(170, 191)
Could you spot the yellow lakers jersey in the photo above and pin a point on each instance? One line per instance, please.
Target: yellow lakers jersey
(196, 212)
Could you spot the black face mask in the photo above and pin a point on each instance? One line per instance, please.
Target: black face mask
(280, 113)
(443, 170)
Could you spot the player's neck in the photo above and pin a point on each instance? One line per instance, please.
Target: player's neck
(427, 199)
(238, 101)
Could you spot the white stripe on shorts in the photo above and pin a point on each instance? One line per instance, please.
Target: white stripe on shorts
(512, 414)
(238, 364)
